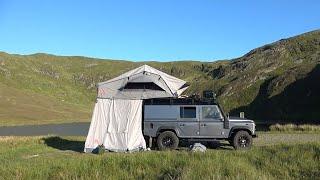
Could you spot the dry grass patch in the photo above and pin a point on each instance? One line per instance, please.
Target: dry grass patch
(294, 127)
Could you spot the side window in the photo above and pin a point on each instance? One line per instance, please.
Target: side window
(211, 112)
(188, 112)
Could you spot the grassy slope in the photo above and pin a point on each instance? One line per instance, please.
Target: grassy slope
(19, 107)
(270, 77)
(65, 85)
(40, 158)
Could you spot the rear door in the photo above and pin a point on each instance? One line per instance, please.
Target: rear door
(211, 122)
(188, 122)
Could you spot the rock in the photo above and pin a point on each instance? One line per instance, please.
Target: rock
(198, 147)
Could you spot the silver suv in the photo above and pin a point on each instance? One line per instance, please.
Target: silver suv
(167, 121)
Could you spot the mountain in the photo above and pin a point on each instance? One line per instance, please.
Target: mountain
(278, 81)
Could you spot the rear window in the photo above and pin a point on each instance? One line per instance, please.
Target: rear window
(188, 112)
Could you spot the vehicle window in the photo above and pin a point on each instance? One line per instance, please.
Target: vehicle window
(211, 112)
(188, 112)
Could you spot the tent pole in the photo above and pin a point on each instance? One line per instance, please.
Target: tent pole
(150, 142)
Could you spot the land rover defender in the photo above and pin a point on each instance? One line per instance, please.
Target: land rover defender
(167, 121)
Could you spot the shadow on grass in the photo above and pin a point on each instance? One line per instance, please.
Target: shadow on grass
(78, 146)
(217, 145)
(64, 144)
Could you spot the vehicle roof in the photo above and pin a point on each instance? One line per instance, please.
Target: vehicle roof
(180, 101)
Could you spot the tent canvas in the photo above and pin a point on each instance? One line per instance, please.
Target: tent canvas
(166, 85)
(117, 117)
(116, 124)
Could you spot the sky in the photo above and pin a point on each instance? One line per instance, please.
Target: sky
(144, 30)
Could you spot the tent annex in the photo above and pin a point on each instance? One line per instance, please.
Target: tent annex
(117, 117)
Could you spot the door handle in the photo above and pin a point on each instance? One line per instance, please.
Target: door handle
(181, 124)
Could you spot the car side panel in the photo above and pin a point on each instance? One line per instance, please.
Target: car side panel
(152, 128)
(211, 127)
(159, 117)
(188, 128)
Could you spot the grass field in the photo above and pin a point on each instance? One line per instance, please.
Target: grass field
(274, 156)
(18, 107)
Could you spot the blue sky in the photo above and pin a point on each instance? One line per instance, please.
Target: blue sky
(162, 30)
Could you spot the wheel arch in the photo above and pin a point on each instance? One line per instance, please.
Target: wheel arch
(167, 128)
(234, 130)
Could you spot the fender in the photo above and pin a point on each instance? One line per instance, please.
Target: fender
(169, 128)
(239, 128)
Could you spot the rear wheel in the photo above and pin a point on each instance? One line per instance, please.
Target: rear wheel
(167, 140)
(242, 140)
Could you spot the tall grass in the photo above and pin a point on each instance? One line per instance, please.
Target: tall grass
(294, 127)
(36, 158)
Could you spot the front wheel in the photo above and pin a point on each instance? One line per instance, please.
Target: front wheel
(242, 140)
(167, 140)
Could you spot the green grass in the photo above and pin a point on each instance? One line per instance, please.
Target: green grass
(18, 107)
(59, 158)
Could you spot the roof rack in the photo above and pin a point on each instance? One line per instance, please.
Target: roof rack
(180, 101)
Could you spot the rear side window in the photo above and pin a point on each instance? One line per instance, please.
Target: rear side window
(188, 112)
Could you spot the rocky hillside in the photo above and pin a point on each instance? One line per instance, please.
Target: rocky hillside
(278, 81)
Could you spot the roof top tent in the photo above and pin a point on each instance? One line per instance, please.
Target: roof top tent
(117, 117)
(143, 82)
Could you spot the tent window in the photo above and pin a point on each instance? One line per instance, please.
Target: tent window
(142, 85)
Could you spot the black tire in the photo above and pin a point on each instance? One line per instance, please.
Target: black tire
(167, 140)
(242, 140)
